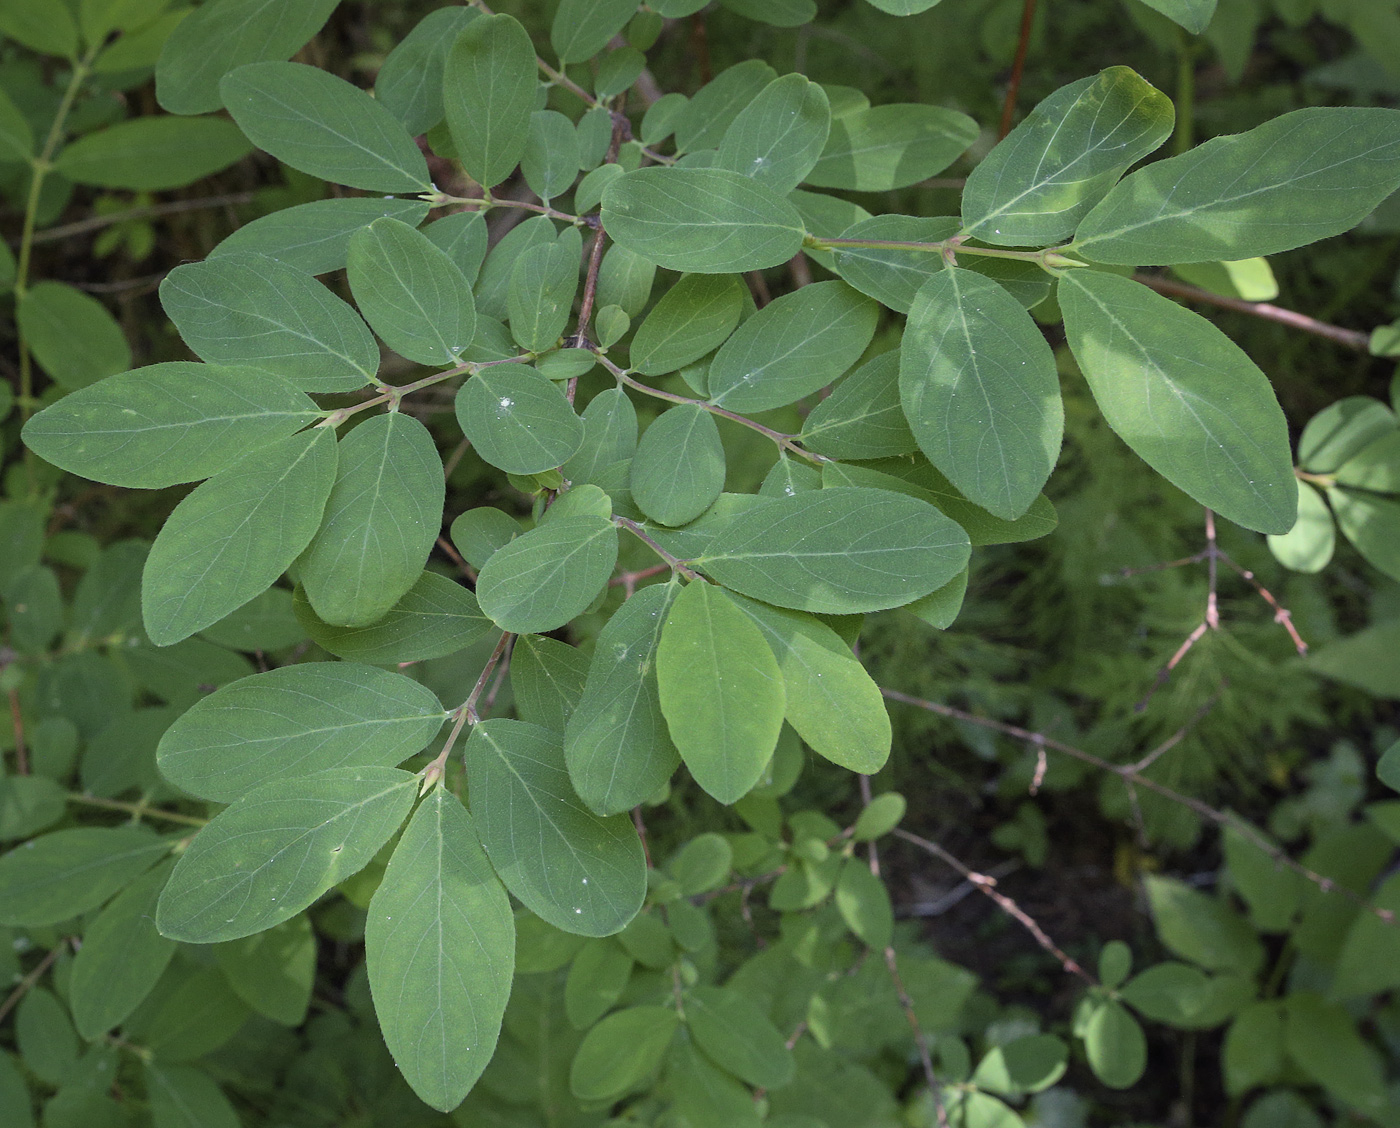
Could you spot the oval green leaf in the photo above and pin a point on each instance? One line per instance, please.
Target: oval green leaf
(885, 147)
(622, 1051)
(694, 316)
(779, 136)
(489, 94)
(737, 1035)
(518, 420)
(678, 469)
(57, 876)
(152, 154)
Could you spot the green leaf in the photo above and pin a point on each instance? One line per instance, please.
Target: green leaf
(1184, 396)
(315, 238)
(830, 700)
(885, 147)
(218, 37)
(15, 1104)
(1372, 524)
(121, 958)
(625, 280)
(702, 122)
(793, 346)
(1373, 467)
(550, 161)
(548, 576)
(862, 418)
(541, 295)
(1253, 1051)
(1323, 1042)
(893, 275)
(381, 521)
(41, 27)
(273, 971)
(1045, 175)
(440, 950)
(702, 864)
(1365, 659)
(616, 744)
(838, 551)
(581, 873)
(434, 618)
(1369, 963)
(249, 309)
(1341, 430)
(16, 134)
(411, 292)
(1022, 1066)
(694, 316)
(44, 1035)
(489, 94)
(462, 235)
(1388, 767)
(29, 804)
(678, 470)
(479, 532)
(547, 677)
(59, 875)
(737, 1035)
(153, 153)
(493, 286)
(880, 816)
(278, 848)
(230, 538)
(1193, 15)
(184, 1096)
(71, 334)
(778, 137)
(1308, 546)
(1272, 891)
(597, 978)
(621, 1052)
(319, 124)
(518, 420)
(705, 220)
(864, 904)
(1170, 992)
(1116, 1046)
(1201, 928)
(981, 392)
(295, 721)
(582, 28)
(720, 690)
(167, 423)
(409, 83)
(1294, 180)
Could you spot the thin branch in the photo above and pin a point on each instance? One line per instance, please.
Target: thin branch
(145, 211)
(1129, 774)
(450, 551)
(675, 563)
(1350, 338)
(1176, 738)
(1013, 89)
(17, 721)
(24, 985)
(641, 826)
(906, 1003)
(136, 810)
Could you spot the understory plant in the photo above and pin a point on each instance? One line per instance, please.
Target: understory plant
(324, 728)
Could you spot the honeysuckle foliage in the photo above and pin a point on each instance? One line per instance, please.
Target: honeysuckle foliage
(624, 299)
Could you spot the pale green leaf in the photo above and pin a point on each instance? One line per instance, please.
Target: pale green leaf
(249, 309)
(218, 37)
(440, 951)
(693, 317)
(548, 576)
(702, 864)
(1324, 1043)
(294, 721)
(1023, 1065)
(582, 28)
(1202, 928)
(581, 873)
(617, 746)
(71, 334)
(1254, 1049)
(411, 292)
(121, 958)
(278, 848)
(862, 418)
(1365, 659)
(153, 153)
(981, 392)
(1341, 431)
(830, 700)
(1372, 524)
(880, 816)
(678, 469)
(434, 618)
(489, 95)
(1308, 546)
(167, 423)
(230, 538)
(315, 237)
(864, 904)
(409, 83)
(320, 124)
(621, 1052)
(1184, 396)
(1193, 15)
(893, 275)
(1115, 1044)
(1250, 279)
(793, 346)
(885, 147)
(518, 420)
(777, 138)
(1375, 467)
(705, 220)
(1294, 180)
(59, 875)
(1044, 176)
(547, 677)
(381, 520)
(1272, 891)
(720, 690)
(837, 551)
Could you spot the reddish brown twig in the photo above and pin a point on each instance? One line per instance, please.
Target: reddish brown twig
(17, 720)
(1013, 88)
(450, 551)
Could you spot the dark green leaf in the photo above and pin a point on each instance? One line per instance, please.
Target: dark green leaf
(597, 978)
(777, 138)
(702, 122)
(678, 470)
(462, 235)
(518, 420)
(434, 618)
(693, 316)
(1193, 15)
(1184, 396)
(315, 237)
(489, 94)
(541, 294)
(738, 1036)
(59, 875)
(183, 1096)
(622, 1051)
(550, 160)
(547, 576)
(582, 28)
(862, 418)
(579, 872)
(278, 848)
(409, 83)
(479, 532)
(273, 971)
(547, 677)
(1023, 1065)
(320, 124)
(71, 334)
